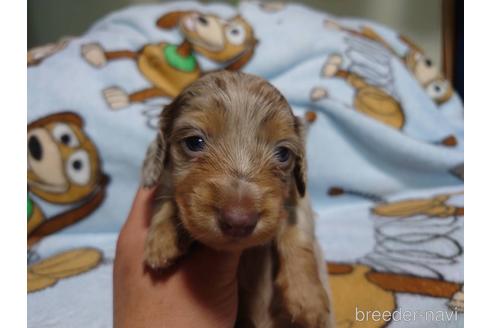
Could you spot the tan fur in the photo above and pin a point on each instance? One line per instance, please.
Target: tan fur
(243, 119)
(165, 242)
(300, 275)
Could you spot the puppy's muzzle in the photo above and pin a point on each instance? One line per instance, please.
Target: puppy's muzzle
(238, 220)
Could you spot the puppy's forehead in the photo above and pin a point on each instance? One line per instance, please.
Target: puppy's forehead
(237, 103)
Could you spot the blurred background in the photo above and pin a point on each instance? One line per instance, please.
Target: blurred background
(436, 25)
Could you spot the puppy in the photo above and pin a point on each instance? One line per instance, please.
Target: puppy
(229, 161)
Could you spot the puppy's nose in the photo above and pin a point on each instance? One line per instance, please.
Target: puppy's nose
(238, 221)
(35, 148)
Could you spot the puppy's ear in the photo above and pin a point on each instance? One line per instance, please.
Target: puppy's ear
(155, 159)
(153, 164)
(170, 20)
(300, 168)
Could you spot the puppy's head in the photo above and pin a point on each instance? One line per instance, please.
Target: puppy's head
(234, 154)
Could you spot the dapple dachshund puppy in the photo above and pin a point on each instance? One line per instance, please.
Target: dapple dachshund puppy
(229, 161)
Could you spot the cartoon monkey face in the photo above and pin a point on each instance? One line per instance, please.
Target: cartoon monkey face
(429, 76)
(62, 162)
(215, 38)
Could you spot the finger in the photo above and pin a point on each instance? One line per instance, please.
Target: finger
(141, 210)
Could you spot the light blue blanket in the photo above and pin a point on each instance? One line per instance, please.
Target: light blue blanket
(386, 122)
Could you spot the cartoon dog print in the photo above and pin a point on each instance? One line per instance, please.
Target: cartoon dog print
(64, 168)
(272, 6)
(63, 163)
(368, 99)
(434, 207)
(425, 71)
(369, 275)
(49, 271)
(34, 215)
(36, 55)
(169, 67)
(359, 286)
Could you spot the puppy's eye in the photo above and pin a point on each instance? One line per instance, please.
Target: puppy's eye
(282, 154)
(194, 143)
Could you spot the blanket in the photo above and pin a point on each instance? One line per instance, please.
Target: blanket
(385, 151)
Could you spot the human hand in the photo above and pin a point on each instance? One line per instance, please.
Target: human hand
(199, 291)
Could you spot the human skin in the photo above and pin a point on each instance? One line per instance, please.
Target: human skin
(199, 291)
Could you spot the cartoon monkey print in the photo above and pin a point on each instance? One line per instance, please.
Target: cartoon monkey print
(169, 67)
(63, 167)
